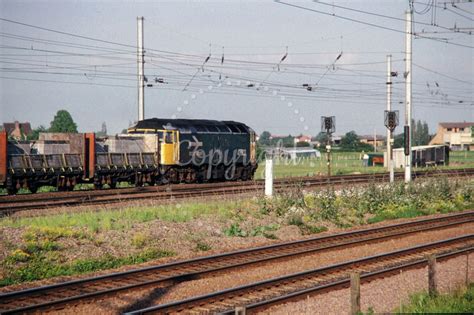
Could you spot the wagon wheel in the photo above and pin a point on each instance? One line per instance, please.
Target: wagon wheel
(12, 190)
(245, 175)
(33, 188)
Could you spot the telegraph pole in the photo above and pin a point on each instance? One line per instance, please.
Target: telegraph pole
(389, 108)
(408, 104)
(141, 68)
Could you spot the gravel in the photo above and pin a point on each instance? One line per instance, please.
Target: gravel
(384, 295)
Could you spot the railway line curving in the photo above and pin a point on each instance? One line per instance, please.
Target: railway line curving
(83, 290)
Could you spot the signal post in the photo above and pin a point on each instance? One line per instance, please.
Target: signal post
(328, 125)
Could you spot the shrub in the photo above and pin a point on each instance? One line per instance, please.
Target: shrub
(139, 240)
(203, 247)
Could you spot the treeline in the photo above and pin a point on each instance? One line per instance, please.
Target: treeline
(62, 122)
(350, 141)
(420, 135)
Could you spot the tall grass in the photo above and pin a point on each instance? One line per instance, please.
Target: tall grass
(125, 218)
(458, 302)
(372, 203)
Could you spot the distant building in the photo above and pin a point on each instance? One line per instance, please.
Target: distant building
(458, 135)
(294, 153)
(336, 140)
(376, 141)
(303, 138)
(17, 130)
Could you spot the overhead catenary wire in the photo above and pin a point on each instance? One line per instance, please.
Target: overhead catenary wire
(378, 15)
(367, 23)
(231, 64)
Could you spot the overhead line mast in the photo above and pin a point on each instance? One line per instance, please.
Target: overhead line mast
(408, 100)
(141, 68)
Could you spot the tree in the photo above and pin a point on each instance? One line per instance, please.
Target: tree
(104, 128)
(350, 142)
(103, 131)
(63, 122)
(398, 141)
(420, 133)
(265, 138)
(425, 131)
(303, 144)
(322, 137)
(35, 133)
(287, 142)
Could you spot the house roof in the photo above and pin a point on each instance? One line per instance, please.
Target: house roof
(24, 127)
(304, 138)
(456, 124)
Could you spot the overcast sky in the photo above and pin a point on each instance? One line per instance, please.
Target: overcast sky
(95, 79)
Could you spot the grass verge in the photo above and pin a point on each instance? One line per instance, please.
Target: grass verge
(124, 219)
(44, 261)
(459, 302)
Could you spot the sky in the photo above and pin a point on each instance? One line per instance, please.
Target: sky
(280, 70)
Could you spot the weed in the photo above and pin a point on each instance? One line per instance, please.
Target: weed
(203, 247)
(139, 240)
(262, 230)
(235, 230)
(18, 255)
(327, 205)
(459, 302)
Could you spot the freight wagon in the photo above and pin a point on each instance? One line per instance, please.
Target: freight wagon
(155, 151)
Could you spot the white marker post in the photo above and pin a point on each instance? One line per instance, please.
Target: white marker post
(269, 176)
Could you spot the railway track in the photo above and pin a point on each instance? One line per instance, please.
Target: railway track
(282, 289)
(11, 204)
(80, 291)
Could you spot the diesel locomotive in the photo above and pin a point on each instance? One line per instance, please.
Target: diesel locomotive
(154, 151)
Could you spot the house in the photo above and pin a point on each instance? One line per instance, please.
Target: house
(17, 130)
(458, 135)
(303, 138)
(375, 141)
(335, 140)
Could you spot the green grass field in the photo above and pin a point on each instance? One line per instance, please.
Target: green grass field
(346, 163)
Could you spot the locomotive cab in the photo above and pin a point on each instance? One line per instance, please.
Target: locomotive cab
(253, 147)
(169, 147)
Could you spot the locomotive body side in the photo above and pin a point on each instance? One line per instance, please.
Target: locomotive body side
(202, 150)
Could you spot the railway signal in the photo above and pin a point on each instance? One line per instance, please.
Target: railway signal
(328, 125)
(391, 119)
(391, 122)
